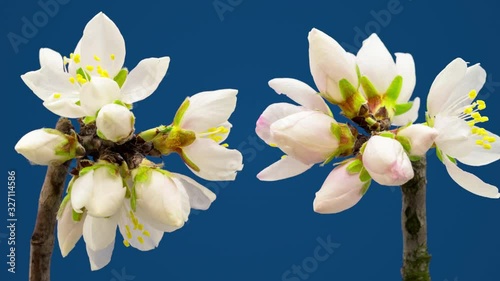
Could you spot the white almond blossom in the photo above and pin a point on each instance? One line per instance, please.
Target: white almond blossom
(452, 109)
(100, 53)
(420, 138)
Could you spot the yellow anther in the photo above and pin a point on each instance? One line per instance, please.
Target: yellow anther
(112, 56)
(284, 156)
(476, 115)
(224, 130)
(216, 138)
(474, 130)
(96, 58)
(76, 58)
(481, 104)
(482, 132)
(104, 73)
(479, 142)
(484, 119)
(146, 233)
(487, 146)
(65, 60)
(273, 144)
(72, 80)
(471, 123)
(71, 56)
(90, 67)
(468, 110)
(225, 145)
(472, 94)
(128, 232)
(140, 239)
(57, 95)
(126, 243)
(140, 226)
(489, 139)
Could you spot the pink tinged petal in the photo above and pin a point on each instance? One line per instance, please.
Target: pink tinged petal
(51, 59)
(97, 93)
(209, 109)
(408, 117)
(101, 258)
(474, 79)
(421, 138)
(405, 67)
(300, 92)
(99, 233)
(386, 161)
(306, 136)
(102, 38)
(81, 191)
(200, 197)
(454, 136)
(480, 156)
(329, 64)
(46, 81)
(68, 230)
(143, 80)
(470, 182)
(150, 237)
(271, 114)
(214, 161)
(376, 63)
(284, 168)
(444, 84)
(339, 192)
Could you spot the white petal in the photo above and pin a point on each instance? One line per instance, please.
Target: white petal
(454, 136)
(474, 79)
(108, 194)
(51, 59)
(143, 80)
(420, 136)
(408, 117)
(65, 107)
(300, 92)
(469, 181)
(209, 109)
(443, 85)
(81, 191)
(101, 258)
(45, 82)
(200, 197)
(72, 66)
(376, 63)
(406, 68)
(102, 38)
(68, 230)
(271, 114)
(98, 92)
(284, 168)
(479, 156)
(98, 233)
(150, 237)
(214, 161)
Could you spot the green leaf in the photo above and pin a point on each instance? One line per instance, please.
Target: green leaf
(364, 175)
(405, 142)
(365, 187)
(180, 112)
(402, 108)
(368, 87)
(347, 90)
(121, 77)
(394, 89)
(355, 167)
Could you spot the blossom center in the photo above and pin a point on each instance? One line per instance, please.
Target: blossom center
(472, 116)
(83, 73)
(134, 230)
(216, 134)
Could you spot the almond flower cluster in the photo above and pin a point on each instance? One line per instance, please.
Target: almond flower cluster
(114, 186)
(379, 141)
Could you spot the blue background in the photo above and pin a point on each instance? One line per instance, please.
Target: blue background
(258, 230)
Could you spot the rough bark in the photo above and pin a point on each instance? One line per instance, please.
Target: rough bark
(42, 240)
(416, 258)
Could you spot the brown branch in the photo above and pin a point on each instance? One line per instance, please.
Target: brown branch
(42, 240)
(416, 258)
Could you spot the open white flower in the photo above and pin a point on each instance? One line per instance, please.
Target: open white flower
(453, 111)
(99, 54)
(386, 161)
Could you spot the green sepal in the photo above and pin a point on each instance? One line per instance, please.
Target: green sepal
(368, 88)
(121, 77)
(414, 158)
(83, 73)
(188, 161)
(101, 135)
(387, 134)
(439, 154)
(364, 175)
(330, 158)
(365, 187)
(354, 167)
(76, 216)
(405, 142)
(112, 168)
(394, 89)
(78, 102)
(89, 119)
(453, 160)
(402, 108)
(143, 174)
(119, 102)
(133, 199)
(180, 112)
(362, 148)
(63, 205)
(336, 130)
(347, 90)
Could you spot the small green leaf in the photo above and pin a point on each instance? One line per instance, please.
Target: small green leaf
(368, 87)
(394, 89)
(402, 108)
(405, 142)
(439, 154)
(88, 119)
(76, 216)
(364, 175)
(414, 158)
(365, 187)
(355, 167)
(453, 160)
(78, 102)
(347, 90)
(336, 130)
(387, 134)
(121, 77)
(180, 112)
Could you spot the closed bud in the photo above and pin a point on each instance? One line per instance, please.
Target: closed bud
(420, 137)
(115, 123)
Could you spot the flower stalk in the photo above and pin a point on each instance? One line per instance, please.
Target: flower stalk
(416, 258)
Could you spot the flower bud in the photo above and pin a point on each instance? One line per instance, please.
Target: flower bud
(420, 137)
(306, 136)
(386, 161)
(115, 123)
(340, 191)
(48, 146)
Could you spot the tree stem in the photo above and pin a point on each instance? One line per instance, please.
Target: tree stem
(416, 258)
(42, 240)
